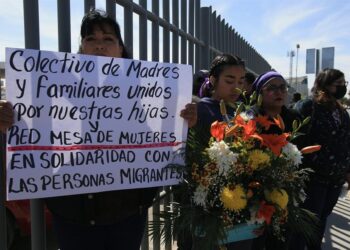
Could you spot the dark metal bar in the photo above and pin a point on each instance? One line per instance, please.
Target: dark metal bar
(88, 5)
(176, 33)
(184, 28)
(227, 38)
(155, 32)
(128, 27)
(111, 8)
(210, 41)
(191, 31)
(214, 29)
(166, 32)
(143, 31)
(162, 21)
(156, 211)
(32, 41)
(63, 16)
(230, 41)
(205, 36)
(155, 57)
(37, 213)
(167, 200)
(222, 35)
(31, 24)
(197, 26)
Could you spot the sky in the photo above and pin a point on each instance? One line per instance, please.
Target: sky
(272, 27)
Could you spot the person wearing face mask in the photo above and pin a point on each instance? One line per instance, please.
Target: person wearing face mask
(330, 128)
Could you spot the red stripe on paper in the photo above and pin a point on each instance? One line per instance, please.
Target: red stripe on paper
(91, 147)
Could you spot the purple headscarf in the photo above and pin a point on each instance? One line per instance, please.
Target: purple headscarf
(206, 86)
(263, 79)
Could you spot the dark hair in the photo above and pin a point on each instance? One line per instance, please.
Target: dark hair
(100, 18)
(221, 62)
(218, 65)
(198, 79)
(324, 79)
(250, 78)
(296, 96)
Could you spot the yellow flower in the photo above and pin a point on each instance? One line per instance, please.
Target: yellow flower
(278, 196)
(250, 144)
(258, 158)
(233, 199)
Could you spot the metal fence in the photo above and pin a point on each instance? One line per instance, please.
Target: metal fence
(202, 34)
(197, 35)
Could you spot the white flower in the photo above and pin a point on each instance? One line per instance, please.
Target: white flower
(245, 116)
(200, 195)
(292, 154)
(223, 156)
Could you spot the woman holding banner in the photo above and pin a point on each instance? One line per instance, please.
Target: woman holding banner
(107, 220)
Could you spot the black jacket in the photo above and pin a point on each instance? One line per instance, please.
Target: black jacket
(101, 208)
(208, 111)
(330, 129)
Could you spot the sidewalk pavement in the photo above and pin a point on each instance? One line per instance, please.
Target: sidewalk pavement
(337, 235)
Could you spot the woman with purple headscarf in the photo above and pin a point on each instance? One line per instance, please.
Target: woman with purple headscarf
(272, 88)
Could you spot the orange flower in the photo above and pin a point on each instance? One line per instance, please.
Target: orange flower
(238, 120)
(279, 122)
(275, 142)
(264, 121)
(310, 149)
(265, 212)
(217, 130)
(249, 129)
(232, 130)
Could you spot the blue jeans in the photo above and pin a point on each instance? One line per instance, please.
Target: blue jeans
(124, 235)
(321, 199)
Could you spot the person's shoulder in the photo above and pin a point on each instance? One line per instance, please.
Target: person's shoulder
(206, 104)
(304, 107)
(289, 110)
(291, 105)
(207, 100)
(291, 113)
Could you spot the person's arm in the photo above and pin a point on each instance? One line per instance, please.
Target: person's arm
(6, 115)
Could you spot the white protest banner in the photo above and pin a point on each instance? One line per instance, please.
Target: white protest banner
(91, 124)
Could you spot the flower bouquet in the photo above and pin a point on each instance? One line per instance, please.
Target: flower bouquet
(244, 179)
